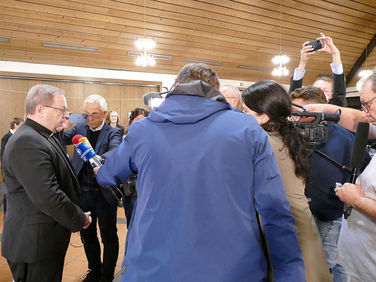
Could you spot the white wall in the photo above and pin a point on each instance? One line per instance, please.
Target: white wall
(166, 79)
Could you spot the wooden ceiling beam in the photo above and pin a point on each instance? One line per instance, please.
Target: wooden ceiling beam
(359, 62)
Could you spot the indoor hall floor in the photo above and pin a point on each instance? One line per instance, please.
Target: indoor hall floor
(75, 267)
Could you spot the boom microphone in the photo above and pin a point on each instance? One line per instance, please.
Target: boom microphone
(85, 151)
(357, 157)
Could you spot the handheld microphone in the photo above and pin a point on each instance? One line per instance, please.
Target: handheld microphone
(85, 151)
(357, 157)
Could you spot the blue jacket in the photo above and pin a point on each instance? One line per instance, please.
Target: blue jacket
(108, 140)
(203, 171)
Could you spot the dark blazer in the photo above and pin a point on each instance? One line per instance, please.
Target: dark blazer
(4, 141)
(109, 139)
(339, 89)
(42, 197)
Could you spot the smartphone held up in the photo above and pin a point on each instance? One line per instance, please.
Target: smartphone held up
(316, 45)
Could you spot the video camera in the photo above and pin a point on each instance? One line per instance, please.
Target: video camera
(315, 125)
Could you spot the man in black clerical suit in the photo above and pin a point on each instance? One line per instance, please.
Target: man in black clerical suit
(42, 191)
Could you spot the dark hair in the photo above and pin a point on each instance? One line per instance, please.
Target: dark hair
(202, 72)
(137, 112)
(267, 96)
(15, 121)
(309, 93)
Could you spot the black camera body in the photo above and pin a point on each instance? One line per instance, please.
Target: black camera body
(317, 130)
(316, 45)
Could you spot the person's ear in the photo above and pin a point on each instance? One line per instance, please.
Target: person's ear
(264, 119)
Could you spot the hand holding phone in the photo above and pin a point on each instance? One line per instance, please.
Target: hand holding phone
(316, 45)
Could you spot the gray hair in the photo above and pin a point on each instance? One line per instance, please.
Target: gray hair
(372, 77)
(234, 90)
(40, 94)
(95, 98)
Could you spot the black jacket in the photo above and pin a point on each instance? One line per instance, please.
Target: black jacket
(42, 197)
(339, 89)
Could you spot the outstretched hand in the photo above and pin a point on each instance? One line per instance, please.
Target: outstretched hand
(329, 45)
(306, 52)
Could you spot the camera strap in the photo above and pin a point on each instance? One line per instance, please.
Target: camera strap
(343, 167)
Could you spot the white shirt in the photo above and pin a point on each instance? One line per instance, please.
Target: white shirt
(335, 69)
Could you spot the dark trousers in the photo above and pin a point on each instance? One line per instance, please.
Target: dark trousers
(49, 270)
(105, 215)
(128, 203)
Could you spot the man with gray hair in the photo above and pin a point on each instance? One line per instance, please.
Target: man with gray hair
(101, 202)
(42, 191)
(232, 95)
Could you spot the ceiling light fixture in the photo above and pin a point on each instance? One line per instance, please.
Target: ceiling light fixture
(145, 44)
(280, 59)
(145, 59)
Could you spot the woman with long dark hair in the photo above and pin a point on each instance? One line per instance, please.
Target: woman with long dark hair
(270, 104)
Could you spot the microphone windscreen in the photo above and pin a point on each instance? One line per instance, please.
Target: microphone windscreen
(151, 95)
(360, 144)
(76, 139)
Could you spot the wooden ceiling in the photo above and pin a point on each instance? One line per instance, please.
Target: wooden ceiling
(232, 33)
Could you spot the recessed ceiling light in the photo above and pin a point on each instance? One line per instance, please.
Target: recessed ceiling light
(204, 62)
(69, 47)
(253, 68)
(4, 39)
(158, 57)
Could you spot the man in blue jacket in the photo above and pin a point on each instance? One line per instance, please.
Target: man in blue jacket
(101, 202)
(205, 172)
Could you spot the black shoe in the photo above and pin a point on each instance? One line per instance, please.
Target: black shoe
(93, 275)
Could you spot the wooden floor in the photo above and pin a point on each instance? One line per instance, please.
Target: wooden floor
(75, 267)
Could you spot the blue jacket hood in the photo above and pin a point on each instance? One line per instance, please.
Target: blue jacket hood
(190, 103)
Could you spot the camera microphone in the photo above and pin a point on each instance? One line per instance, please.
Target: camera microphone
(357, 157)
(85, 150)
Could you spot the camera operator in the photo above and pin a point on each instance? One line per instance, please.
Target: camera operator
(325, 206)
(334, 89)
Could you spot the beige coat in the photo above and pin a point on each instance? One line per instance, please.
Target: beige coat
(316, 268)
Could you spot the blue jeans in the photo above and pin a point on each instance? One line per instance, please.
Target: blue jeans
(329, 232)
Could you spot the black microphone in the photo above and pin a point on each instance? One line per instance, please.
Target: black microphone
(357, 157)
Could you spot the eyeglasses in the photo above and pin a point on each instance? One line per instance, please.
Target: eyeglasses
(367, 105)
(94, 115)
(61, 110)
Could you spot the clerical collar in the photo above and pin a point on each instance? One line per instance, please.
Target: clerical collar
(37, 126)
(98, 128)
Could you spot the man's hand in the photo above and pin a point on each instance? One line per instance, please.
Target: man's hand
(305, 54)
(350, 194)
(67, 124)
(88, 220)
(330, 48)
